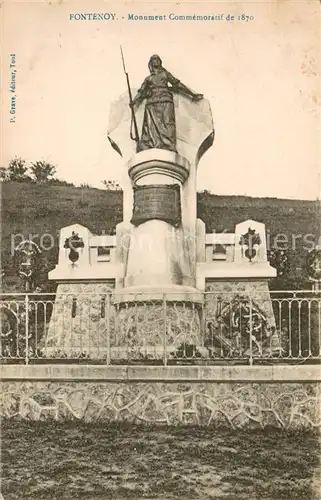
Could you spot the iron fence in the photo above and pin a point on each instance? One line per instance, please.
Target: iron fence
(258, 327)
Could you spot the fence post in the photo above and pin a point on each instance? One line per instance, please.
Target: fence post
(251, 329)
(108, 329)
(203, 322)
(165, 331)
(309, 328)
(27, 330)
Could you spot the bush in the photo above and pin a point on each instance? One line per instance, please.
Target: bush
(42, 171)
(16, 171)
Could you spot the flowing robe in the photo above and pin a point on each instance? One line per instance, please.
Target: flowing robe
(159, 127)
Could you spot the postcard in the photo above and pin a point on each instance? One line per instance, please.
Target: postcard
(160, 304)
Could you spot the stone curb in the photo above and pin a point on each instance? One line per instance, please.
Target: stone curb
(111, 373)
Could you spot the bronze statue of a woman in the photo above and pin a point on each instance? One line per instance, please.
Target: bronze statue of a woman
(159, 127)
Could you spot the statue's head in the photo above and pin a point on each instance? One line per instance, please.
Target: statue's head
(154, 62)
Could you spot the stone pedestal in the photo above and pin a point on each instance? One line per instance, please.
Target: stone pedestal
(158, 309)
(156, 329)
(158, 255)
(82, 322)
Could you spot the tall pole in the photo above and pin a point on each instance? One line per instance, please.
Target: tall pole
(317, 284)
(136, 137)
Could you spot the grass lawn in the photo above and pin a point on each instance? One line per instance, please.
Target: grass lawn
(74, 460)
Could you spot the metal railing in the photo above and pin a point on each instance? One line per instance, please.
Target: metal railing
(260, 327)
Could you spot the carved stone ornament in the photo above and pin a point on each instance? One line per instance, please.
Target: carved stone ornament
(249, 240)
(73, 243)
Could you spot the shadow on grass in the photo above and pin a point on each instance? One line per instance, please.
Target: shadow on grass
(77, 460)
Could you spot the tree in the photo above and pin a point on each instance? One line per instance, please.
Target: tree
(3, 174)
(17, 170)
(42, 171)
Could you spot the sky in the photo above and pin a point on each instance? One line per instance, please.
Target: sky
(262, 78)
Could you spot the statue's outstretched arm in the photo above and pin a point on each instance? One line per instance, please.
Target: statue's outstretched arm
(179, 87)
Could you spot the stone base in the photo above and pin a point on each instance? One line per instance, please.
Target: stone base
(81, 318)
(235, 405)
(169, 293)
(152, 327)
(158, 254)
(88, 322)
(234, 319)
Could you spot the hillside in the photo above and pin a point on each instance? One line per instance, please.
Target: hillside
(38, 209)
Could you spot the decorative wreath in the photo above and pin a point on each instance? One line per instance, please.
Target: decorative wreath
(237, 323)
(280, 261)
(313, 264)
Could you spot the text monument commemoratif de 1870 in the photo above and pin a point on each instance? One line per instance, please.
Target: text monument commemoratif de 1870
(161, 260)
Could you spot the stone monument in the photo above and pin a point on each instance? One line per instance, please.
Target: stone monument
(174, 129)
(161, 261)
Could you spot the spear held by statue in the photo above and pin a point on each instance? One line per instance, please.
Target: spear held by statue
(131, 104)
